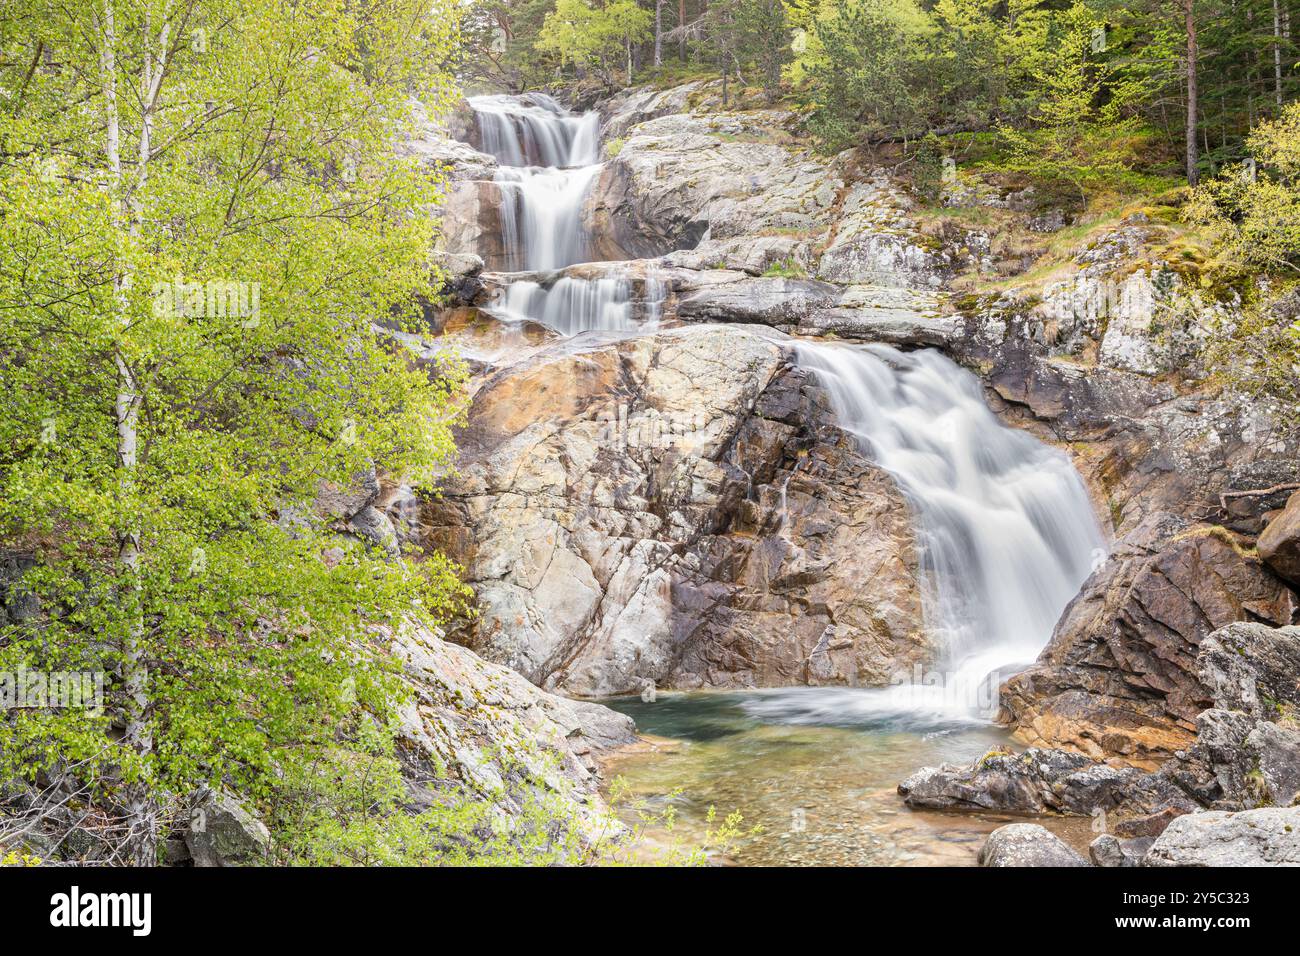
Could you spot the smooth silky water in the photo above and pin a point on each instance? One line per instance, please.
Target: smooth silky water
(1004, 531)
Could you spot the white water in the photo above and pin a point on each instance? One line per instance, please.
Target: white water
(1004, 528)
(572, 305)
(548, 160)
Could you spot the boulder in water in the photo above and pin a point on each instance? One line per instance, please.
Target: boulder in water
(1111, 851)
(1042, 781)
(1027, 844)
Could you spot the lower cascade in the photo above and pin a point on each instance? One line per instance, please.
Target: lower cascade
(1005, 531)
(573, 305)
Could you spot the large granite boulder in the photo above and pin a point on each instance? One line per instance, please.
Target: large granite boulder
(1269, 836)
(680, 180)
(477, 731)
(767, 301)
(1119, 677)
(876, 242)
(1042, 781)
(1111, 851)
(676, 507)
(221, 832)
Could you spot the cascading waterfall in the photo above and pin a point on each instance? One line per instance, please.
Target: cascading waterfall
(548, 159)
(574, 305)
(1004, 528)
(1003, 525)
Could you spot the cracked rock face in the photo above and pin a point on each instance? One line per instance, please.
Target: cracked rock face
(676, 508)
(685, 181)
(1120, 676)
(477, 729)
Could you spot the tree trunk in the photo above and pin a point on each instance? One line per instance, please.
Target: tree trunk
(658, 34)
(1277, 54)
(1189, 20)
(681, 22)
(141, 845)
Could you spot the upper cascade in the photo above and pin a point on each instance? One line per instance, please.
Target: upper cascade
(535, 130)
(548, 160)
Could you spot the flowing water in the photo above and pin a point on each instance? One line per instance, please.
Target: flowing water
(548, 160)
(1004, 529)
(573, 305)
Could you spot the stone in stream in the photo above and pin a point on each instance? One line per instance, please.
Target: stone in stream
(1111, 851)
(1268, 836)
(1027, 844)
(1042, 781)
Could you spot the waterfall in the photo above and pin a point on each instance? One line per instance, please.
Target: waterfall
(573, 305)
(1004, 529)
(548, 159)
(535, 131)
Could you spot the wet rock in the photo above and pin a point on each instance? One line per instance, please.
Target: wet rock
(1042, 781)
(1111, 851)
(1120, 677)
(1279, 545)
(1267, 836)
(1027, 844)
(767, 301)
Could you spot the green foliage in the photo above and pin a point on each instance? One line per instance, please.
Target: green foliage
(498, 44)
(786, 269)
(866, 60)
(736, 34)
(1252, 212)
(161, 447)
(1083, 130)
(927, 175)
(1253, 209)
(579, 34)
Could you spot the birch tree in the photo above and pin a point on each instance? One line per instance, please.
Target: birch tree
(205, 227)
